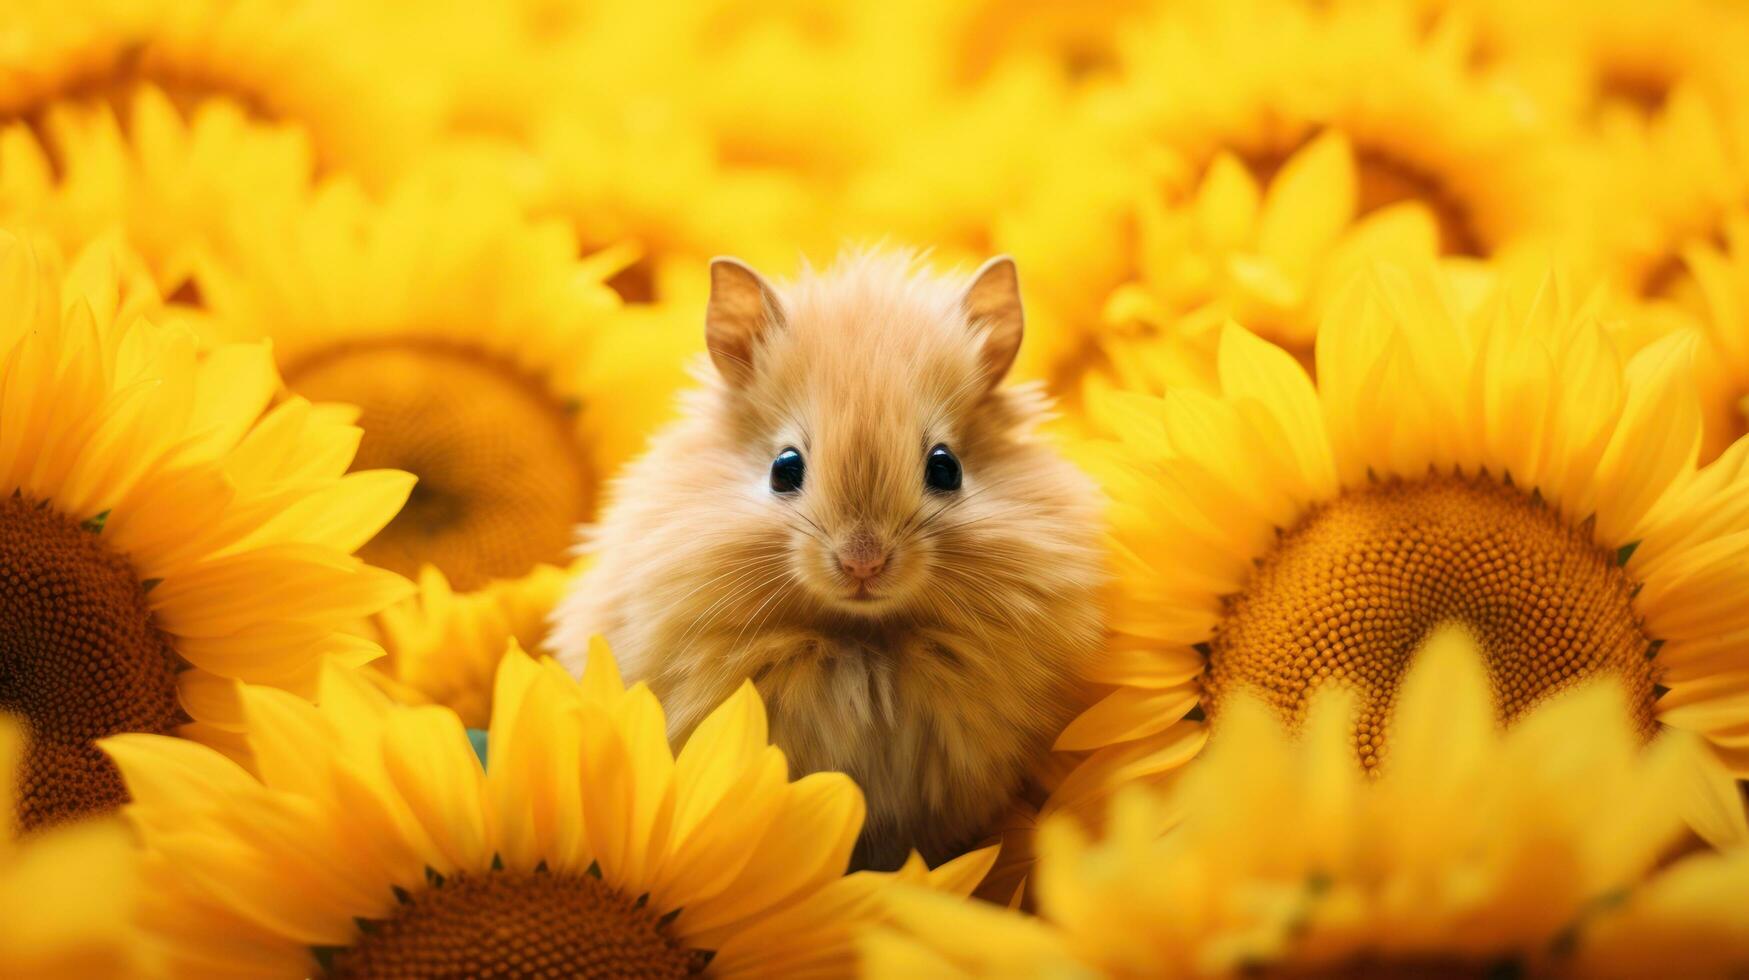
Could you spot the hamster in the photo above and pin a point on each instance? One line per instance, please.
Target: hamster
(855, 514)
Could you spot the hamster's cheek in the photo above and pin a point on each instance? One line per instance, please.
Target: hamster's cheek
(917, 569)
(813, 565)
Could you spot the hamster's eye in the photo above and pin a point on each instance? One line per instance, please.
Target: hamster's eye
(942, 470)
(786, 471)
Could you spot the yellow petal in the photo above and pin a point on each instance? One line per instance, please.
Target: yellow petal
(1657, 438)
(427, 754)
(1309, 203)
(805, 847)
(1126, 714)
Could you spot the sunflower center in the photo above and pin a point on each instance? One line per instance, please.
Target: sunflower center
(1642, 89)
(503, 482)
(1405, 968)
(1350, 593)
(79, 660)
(636, 283)
(518, 924)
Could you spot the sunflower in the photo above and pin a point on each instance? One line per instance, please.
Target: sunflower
(735, 135)
(1612, 57)
(48, 50)
(443, 646)
(373, 844)
(167, 179)
(1074, 40)
(486, 359)
(1269, 255)
(769, 82)
(70, 892)
(1486, 459)
(310, 64)
(162, 533)
(658, 185)
(1721, 277)
(1684, 922)
(1264, 78)
(1672, 182)
(1476, 852)
(1268, 144)
(491, 71)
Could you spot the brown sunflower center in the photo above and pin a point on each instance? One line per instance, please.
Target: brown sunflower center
(1641, 88)
(518, 924)
(1406, 968)
(503, 482)
(79, 660)
(636, 283)
(1350, 593)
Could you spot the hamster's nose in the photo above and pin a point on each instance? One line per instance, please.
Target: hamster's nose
(862, 565)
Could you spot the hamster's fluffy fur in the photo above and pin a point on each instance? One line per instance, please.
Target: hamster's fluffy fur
(939, 696)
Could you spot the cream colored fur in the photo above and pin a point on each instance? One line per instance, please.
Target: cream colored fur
(937, 698)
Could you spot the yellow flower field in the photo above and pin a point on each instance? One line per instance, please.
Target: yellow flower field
(1401, 348)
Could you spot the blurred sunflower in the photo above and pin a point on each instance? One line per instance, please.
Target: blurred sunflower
(1611, 57)
(1672, 181)
(443, 646)
(485, 358)
(373, 844)
(1074, 41)
(733, 137)
(1684, 920)
(492, 71)
(1476, 852)
(1269, 256)
(662, 189)
(1484, 459)
(70, 893)
(1262, 79)
(168, 180)
(307, 63)
(1721, 277)
(1271, 144)
(162, 532)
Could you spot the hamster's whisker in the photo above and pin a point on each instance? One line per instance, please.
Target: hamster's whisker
(820, 537)
(1013, 564)
(750, 621)
(988, 588)
(811, 522)
(935, 514)
(745, 583)
(909, 525)
(973, 621)
(945, 508)
(738, 565)
(962, 525)
(778, 598)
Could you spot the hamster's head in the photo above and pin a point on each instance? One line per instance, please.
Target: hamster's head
(873, 453)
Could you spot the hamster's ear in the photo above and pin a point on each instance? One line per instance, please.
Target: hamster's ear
(741, 309)
(993, 302)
